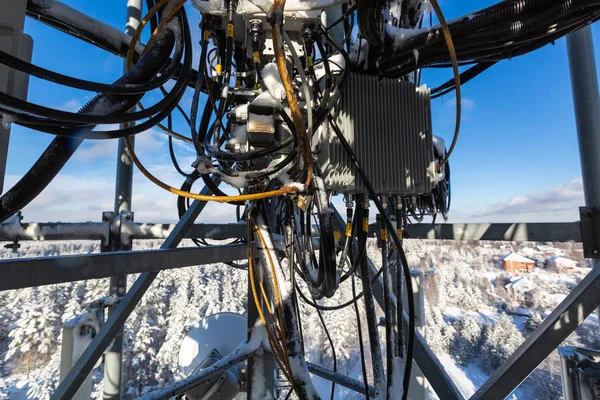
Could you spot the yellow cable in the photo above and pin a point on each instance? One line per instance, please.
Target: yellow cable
(303, 139)
(276, 286)
(203, 197)
(275, 346)
(454, 59)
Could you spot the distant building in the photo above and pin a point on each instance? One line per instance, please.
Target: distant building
(520, 289)
(513, 262)
(561, 264)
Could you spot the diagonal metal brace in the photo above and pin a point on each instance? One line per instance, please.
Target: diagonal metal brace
(94, 351)
(565, 318)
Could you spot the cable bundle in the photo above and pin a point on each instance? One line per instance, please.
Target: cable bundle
(279, 187)
(505, 30)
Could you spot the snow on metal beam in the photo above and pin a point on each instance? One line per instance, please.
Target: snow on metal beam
(22, 273)
(536, 232)
(340, 379)
(12, 230)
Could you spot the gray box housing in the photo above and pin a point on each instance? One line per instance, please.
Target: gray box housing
(388, 124)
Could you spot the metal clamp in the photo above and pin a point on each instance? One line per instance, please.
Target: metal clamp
(125, 237)
(107, 216)
(590, 231)
(15, 245)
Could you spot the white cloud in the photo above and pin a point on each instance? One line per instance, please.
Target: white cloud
(72, 105)
(71, 198)
(145, 142)
(93, 150)
(467, 105)
(559, 203)
(151, 140)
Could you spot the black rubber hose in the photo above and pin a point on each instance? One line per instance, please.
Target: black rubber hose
(61, 149)
(497, 13)
(399, 288)
(169, 105)
(539, 20)
(327, 261)
(82, 84)
(85, 118)
(468, 26)
(374, 340)
(464, 78)
(390, 320)
(38, 13)
(499, 51)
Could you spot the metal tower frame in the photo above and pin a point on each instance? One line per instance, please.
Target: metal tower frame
(118, 260)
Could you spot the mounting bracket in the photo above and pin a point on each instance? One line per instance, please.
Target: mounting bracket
(590, 231)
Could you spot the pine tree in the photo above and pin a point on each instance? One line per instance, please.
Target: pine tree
(439, 332)
(466, 345)
(501, 339)
(35, 333)
(532, 322)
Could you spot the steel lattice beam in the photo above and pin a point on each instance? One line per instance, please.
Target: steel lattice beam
(535, 232)
(565, 318)
(340, 379)
(22, 273)
(538, 232)
(117, 319)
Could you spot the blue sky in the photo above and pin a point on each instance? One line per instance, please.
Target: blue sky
(517, 158)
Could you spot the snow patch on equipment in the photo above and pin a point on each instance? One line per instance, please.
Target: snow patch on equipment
(13, 229)
(363, 45)
(83, 326)
(397, 387)
(272, 80)
(337, 63)
(238, 182)
(131, 229)
(395, 8)
(239, 136)
(401, 35)
(287, 181)
(440, 145)
(266, 99)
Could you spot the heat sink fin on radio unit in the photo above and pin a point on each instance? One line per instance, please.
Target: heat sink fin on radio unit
(388, 125)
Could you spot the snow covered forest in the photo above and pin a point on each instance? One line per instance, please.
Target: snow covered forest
(472, 323)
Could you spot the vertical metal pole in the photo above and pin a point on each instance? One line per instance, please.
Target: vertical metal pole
(586, 100)
(123, 192)
(12, 82)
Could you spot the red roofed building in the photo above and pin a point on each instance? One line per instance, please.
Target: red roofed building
(513, 262)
